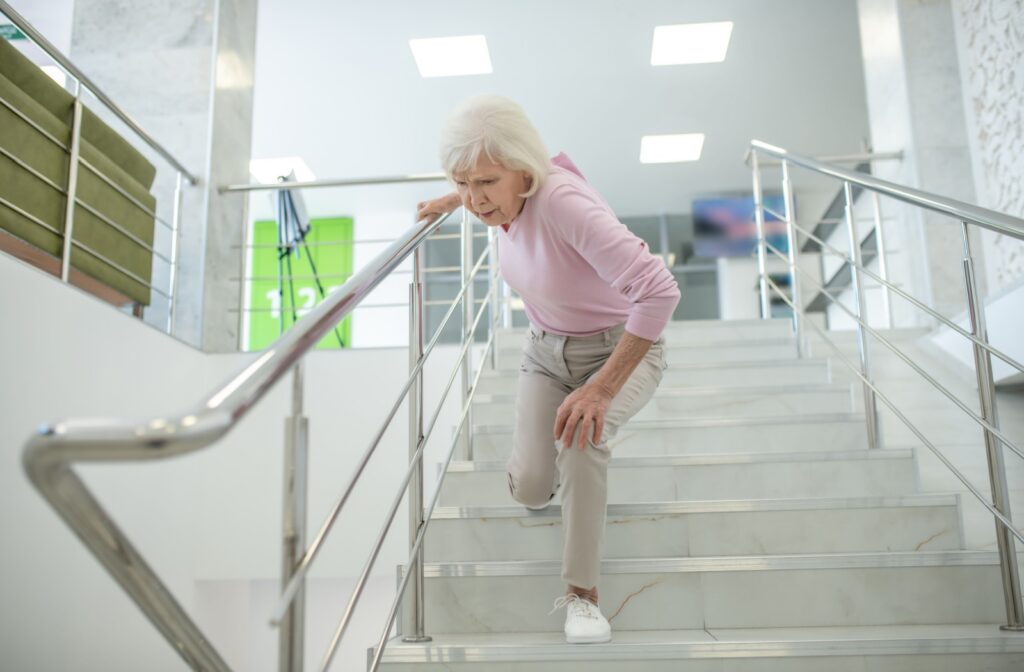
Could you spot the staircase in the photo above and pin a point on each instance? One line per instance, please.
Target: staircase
(749, 528)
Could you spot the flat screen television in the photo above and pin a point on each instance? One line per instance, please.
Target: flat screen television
(725, 227)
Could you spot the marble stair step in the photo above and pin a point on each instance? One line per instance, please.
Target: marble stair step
(842, 589)
(691, 332)
(775, 349)
(776, 433)
(673, 402)
(702, 374)
(826, 473)
(897, 648)
(708, 528)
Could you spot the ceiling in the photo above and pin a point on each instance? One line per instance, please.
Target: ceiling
(337, 85)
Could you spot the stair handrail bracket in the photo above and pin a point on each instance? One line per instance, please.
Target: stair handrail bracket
(966, 215)
(52, 450)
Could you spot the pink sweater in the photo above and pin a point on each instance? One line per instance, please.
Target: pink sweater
(578, 269)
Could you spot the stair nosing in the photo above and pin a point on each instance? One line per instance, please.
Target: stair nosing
(690, 507)
(711, 421)
(736, 563)
(716, 459)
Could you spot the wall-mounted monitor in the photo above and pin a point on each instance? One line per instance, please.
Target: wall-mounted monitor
(725, 227)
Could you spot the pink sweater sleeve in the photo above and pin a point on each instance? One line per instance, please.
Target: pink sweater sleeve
(620, 258)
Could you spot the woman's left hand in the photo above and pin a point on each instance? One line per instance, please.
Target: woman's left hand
(586, 407)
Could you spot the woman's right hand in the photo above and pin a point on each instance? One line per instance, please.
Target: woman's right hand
(439, 206)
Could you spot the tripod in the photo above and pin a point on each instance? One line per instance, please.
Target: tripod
(292, 229)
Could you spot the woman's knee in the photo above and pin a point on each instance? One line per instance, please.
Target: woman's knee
(530, 491)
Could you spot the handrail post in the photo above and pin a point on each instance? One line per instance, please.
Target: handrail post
(416, 609)
(857, 282)
(175, 235)
(993, 448)
(69, 210)
(794, 276)
(292, 631)
(766, 312)
(883, 261)
(467, 327)
(492, 288)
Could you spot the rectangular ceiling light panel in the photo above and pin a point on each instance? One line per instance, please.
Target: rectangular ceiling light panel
(691, 43)
(671, 148)
(451, 56)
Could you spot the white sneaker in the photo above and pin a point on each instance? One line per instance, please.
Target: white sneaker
(584, 622)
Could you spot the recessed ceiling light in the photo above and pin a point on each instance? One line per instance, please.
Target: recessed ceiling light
(691, 43)
(55, 73)
(451, 56)
(266, 171)
(671, 148)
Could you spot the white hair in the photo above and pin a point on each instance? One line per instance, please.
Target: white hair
(498, 128)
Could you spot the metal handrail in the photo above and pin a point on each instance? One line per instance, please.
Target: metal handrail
(916, 302)
(52, 451)
(341, 182)
(966, 214)
(306, 561)
(911, 426)
(414, 463)
(990, 219)
(65, 63)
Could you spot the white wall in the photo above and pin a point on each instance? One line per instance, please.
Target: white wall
(208, 522)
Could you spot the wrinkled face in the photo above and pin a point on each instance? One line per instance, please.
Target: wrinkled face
(491, 191)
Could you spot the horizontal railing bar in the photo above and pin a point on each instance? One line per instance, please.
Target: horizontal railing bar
(418, 542)
(309, 555)
(322, 276)
(35, 173)
(995, 431)
(120, 229)
(836, 158)
(990, 219)
(335, 243)
(824, 245)
(940, 317)
(31, 122)
(121, 190)
(352, 182)
(771, 248)
(413, 462)
(913, 428)
(69, 67)
(777, 215)
(29, 216)
(117, 267)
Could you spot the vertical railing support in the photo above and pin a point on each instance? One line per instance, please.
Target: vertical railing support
(762, 271)
(69, 211)
(292, 631)
(492, 288)
(883, 260)
(993, 447)
(857, 282)
(794, 259)
(415, 611)
(468, 304)
(172, 282)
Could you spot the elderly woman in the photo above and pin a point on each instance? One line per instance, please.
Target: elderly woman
(597, 301)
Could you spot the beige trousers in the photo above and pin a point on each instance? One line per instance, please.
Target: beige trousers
(552, 366)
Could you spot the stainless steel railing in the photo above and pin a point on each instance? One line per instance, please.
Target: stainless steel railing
(75, 161)
(967, 215)
(50, 456)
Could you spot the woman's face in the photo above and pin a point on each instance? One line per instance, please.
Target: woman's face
(491, 191)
